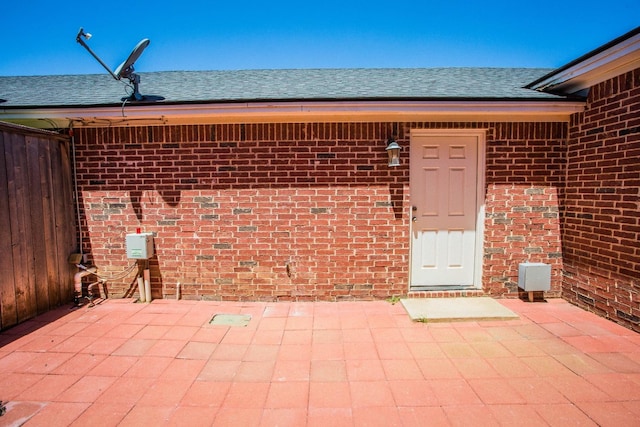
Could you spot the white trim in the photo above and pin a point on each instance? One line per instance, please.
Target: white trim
(480, 206)
(345, 111)
(612, 62)
(480, 134)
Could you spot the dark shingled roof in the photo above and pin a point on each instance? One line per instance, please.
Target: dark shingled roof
(179, 87)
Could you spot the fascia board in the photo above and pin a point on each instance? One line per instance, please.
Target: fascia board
(553, 110)
(611, 62)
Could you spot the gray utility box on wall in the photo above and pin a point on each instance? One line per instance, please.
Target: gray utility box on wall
(139, 245)
(534, 276)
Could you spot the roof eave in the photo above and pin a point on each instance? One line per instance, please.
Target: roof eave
(612, 59)
(321, 111)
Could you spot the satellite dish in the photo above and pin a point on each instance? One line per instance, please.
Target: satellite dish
(124, 70)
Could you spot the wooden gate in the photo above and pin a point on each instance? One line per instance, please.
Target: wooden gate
(37, 223)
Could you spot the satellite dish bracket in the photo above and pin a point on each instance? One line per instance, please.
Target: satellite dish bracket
(125, 69)
(79, 39)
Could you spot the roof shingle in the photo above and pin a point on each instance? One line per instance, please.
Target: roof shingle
(278, 85)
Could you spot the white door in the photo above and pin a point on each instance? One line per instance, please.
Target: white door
(445, 195)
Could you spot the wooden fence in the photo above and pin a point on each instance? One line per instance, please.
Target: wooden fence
(37, 223)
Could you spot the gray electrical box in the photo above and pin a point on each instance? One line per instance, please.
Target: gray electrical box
(534, 276)
(139, 245)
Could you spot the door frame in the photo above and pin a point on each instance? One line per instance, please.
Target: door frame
(480, 134)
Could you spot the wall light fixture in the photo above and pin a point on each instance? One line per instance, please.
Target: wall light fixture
(393, 150)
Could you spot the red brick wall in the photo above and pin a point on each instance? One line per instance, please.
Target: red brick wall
(525, 165)
(298, 211)
(602, 205)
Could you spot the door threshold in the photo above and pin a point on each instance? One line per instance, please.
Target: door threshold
(445, 292)
(441, 288)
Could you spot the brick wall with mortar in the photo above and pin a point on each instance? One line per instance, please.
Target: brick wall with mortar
(525, 172)
(601, 202)
(304, 211)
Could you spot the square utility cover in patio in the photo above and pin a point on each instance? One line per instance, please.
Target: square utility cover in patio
(230, 319)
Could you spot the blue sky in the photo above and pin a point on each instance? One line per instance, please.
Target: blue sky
(39, 36)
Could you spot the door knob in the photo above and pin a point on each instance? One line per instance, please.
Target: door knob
(414, 219)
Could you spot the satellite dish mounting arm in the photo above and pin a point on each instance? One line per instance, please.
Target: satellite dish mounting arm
(134, 79)
(125, 69)
(87, 36)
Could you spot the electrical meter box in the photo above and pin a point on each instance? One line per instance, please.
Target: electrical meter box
(534, 276)
(139, 245)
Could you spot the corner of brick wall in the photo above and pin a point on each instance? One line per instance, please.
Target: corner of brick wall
(601, 202)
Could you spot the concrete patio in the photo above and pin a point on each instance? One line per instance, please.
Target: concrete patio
(297, 364)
